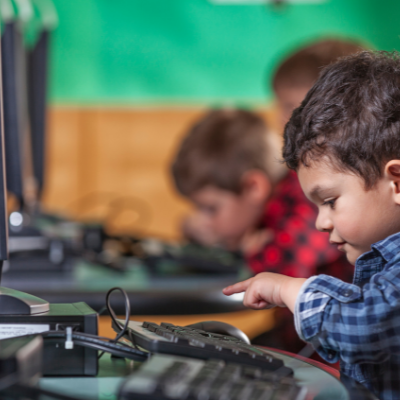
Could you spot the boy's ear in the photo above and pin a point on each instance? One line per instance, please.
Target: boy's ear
(256, 186)
(392, 172)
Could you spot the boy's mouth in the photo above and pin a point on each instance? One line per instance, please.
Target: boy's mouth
(338, 244)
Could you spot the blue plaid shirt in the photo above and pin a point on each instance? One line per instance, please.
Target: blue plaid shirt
(359, 323)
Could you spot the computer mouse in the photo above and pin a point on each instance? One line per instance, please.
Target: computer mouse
(221, 328)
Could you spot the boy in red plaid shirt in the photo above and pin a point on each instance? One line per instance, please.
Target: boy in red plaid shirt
(246, 199)
(226, 167)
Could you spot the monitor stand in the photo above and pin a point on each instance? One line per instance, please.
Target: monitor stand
(14, 302)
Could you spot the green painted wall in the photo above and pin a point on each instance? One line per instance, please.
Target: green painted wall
(193, 52)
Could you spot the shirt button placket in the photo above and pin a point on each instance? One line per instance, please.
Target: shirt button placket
(347, 293)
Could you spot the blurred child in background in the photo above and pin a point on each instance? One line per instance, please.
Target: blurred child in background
(228, 165)
(296, 74)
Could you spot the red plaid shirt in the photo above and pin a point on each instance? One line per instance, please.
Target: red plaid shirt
(298, 249)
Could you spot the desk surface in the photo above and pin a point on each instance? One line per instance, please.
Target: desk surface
(321, 382)
(161, 294)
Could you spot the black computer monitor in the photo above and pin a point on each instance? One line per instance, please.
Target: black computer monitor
(11, 119)
(24, 93)
(11, 301)
(37, 87)
(3, 191)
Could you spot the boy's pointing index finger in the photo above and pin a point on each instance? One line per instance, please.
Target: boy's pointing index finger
(236, 288)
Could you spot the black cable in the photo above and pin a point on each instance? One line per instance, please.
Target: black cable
(121, 348)
(92, 341)
(104, 344)
(100, 355)
(61, 333)
(116, 352)
(102, 309)
(128, 352)
(123, 328)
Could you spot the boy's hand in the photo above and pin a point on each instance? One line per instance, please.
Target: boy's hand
(267, 290)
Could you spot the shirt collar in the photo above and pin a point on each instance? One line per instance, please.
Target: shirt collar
(388, 247)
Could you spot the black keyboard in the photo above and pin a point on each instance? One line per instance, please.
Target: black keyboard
(186, 341)
(166, 377)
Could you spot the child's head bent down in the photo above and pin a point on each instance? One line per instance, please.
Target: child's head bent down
(221, 166)
(296, 74)
(344, 142)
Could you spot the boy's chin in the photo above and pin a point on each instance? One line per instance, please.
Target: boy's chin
(352, 257)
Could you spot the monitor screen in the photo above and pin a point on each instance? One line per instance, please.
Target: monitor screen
(10, 115)
(3, 190)
(37, 86)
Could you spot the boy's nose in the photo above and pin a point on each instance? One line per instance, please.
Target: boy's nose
(323, 223)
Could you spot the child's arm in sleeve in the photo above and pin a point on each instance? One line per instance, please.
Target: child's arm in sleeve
(339, 319)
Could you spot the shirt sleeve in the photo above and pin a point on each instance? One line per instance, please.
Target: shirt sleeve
(346, 321)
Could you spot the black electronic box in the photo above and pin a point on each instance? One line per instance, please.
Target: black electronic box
(57, 360)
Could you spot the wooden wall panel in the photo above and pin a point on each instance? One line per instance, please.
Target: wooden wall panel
(62, 159)
(98, 157)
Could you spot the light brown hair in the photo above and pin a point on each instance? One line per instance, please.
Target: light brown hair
(304, 66)
(351, 115)
(219, 149)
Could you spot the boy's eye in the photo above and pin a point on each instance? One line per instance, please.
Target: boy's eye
(330, 203)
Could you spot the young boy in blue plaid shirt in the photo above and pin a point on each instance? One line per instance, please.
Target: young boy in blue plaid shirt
(344, 143)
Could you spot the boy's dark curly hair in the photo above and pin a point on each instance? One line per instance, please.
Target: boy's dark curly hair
(351, 116)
